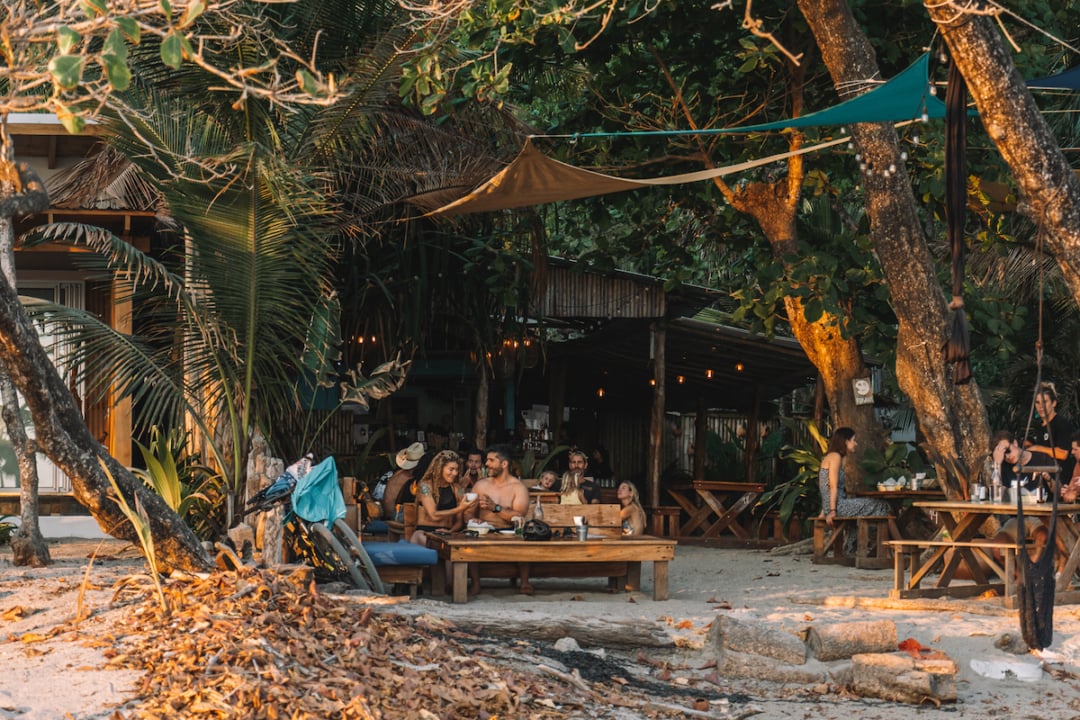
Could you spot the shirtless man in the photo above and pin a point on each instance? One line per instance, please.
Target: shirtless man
(501, 497)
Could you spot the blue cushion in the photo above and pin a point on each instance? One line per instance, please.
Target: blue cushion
(377, 527)
(400, 553)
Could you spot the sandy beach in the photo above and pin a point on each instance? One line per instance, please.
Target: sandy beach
(54, 666)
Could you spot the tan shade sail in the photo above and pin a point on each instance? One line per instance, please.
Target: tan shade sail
(534, 179)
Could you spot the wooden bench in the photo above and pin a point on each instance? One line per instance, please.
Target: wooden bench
(909, 558)
(829, 547)
(602, 519)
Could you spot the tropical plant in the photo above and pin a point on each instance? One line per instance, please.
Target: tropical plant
(141, 522)
(190, 488)
(531, 467)
(799, 496)
(6, 529)
(895, 460)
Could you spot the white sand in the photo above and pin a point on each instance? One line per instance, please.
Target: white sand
(787, 592)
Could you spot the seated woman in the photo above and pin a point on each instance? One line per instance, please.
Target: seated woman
(440, 504)
(834, 500)
(571, 492)
(631, 513)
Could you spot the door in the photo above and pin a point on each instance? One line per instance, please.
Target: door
(50, 478)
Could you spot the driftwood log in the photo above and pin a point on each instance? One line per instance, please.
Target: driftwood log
(755, 638)
(902, 678)
(844, 640)
(950, 605)
(732, 664)
(588, 631)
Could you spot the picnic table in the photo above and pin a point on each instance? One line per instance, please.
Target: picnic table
(963, 521)
(715, 507)
(496, 547)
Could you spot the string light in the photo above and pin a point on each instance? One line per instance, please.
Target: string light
(680, 379)
(652, 382)
(739, 367)
(600, 392)
(709, 373)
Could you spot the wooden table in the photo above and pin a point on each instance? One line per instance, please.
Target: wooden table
(714, 507)
(460, 550)
(963, 521)
(900, 500)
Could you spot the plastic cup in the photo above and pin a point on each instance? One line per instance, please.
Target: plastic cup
(582, 532)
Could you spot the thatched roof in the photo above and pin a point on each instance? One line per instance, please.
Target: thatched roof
(104, 181)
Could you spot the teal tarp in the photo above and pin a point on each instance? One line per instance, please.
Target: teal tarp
(317, 496)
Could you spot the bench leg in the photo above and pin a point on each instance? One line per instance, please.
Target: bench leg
(660, 579)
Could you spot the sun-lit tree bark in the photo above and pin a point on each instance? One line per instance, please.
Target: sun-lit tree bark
(952, 418)
(1049, 189)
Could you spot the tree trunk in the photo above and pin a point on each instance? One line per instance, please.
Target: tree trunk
(952, 418)
(1049, 190)
(28, 547)
(63, 436)
(482, 401)
(842, 640)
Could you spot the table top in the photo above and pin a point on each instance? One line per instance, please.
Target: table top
(1030, 508)
(720, 485)
(496, 537)
(924, 494)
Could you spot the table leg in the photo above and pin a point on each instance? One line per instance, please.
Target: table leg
(660, 579)
(633, 576)
(461, 582)
(438, 577)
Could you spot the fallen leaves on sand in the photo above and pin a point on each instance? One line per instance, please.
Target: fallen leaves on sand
(17, 612)
(286, 650)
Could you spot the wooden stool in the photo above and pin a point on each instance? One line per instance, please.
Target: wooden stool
(666, 521)
(829, 548)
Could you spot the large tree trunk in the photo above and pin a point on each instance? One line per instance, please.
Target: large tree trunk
(952, 418)
(838, 359)
(28, 546)
(63, 436)
(1050, 191)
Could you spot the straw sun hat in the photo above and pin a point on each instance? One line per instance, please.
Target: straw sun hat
(407, 458)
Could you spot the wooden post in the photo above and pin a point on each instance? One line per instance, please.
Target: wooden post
(120, 425)
(481, 421)
(752, 440)
(701, 438)
(556, 398)
(658, 338)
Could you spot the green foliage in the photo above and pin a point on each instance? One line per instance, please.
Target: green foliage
(187, 487)
(531, 467)
(6, 529)
(141, 522)
(895, 460)
(799, 496)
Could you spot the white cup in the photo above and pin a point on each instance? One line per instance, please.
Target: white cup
(469, 497)
(578, 519)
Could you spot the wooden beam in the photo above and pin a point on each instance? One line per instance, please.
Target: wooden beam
(657, 336)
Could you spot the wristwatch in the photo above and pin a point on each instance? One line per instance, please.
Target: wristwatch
(498, 509)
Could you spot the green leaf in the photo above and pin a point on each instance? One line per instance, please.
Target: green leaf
(172, 53)
(66, 71)
(194, 10)
(307, 82)
(115, 45)
(93, 8)
(66, 39)
(130, 28)
(166, 7)
(117, 72)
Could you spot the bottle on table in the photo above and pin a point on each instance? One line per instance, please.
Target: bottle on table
(538, 513)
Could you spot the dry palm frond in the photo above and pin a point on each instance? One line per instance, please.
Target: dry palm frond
(104, 181)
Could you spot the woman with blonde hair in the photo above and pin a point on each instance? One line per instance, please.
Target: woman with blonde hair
(440, 503)
(571, 492)
(631, 513)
